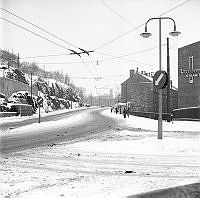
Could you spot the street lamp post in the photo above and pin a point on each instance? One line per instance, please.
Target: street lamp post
(146, 34)
(126, 95)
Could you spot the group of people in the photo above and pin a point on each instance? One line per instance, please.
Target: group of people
(125, 111)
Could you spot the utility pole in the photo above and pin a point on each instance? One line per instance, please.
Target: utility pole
(99, 99)
(31, 86)
(126, 94)
(44, 71)
(18, 60)
(168, 83)
(91, 99)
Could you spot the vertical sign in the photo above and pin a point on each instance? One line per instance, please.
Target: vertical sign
(39, 101)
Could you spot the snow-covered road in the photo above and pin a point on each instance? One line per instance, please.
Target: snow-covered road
(124, 160)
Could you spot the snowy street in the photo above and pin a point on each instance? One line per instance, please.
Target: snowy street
(112, 157)
(54, 128)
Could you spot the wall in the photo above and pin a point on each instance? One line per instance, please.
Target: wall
(8, 86)
(186, 191)
(139, 92)
(143, 96)
(22, 109)
(189, 91)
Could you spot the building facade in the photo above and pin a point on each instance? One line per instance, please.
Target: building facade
(189, 75)
(138, 89)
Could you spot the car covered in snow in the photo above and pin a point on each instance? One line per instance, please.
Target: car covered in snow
(3, 99)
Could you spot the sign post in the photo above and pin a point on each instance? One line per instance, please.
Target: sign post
(160, 81)
(39, 101)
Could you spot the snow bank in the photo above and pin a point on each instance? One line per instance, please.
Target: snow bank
(149, 124)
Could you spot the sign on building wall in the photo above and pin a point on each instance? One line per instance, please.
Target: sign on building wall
(191, 72)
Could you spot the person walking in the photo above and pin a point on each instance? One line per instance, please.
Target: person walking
(111, 109)
(128, 113)
(124, 112)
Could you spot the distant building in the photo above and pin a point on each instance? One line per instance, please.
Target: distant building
(140, 92)
(189, 75)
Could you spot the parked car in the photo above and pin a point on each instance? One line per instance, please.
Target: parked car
(3, 99)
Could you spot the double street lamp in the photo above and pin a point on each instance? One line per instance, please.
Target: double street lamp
(147, 34)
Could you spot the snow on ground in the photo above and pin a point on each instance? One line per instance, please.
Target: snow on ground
(43, 114)
(42, 126)
(128, 159)
(150, 124)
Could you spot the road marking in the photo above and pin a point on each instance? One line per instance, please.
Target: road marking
(159, 79)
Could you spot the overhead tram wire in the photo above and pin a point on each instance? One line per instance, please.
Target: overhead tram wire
(114, 57)
(87, 68)
(103, 60)
(59, 63)
(129, 60)
(55, 42)
(124, 34)
(34, 33)
(73, 44)
(174, 8)
(79, 54)
(44, 56)
(40, 35)
(124, 19)
(132, 53)
(94, 66)
(108, 59)
(39, 27)
(59, 38)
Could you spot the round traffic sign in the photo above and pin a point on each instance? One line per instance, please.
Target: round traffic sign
(39, 100)
(160, 79)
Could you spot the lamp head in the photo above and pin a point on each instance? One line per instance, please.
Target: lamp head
(175, 33)
(145, 34)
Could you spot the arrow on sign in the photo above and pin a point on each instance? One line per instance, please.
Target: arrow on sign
(159, 79)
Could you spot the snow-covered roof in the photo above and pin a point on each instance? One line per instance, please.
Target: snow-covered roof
(147, 77)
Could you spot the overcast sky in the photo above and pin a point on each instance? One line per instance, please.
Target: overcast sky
(107, 26)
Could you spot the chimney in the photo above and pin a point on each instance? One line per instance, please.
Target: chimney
(132, 72)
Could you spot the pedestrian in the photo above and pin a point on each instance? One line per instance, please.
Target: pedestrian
(111, 109)
(116, 110)
(128, 113)
(124, 112)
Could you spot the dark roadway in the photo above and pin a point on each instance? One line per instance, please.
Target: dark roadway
(93, 123)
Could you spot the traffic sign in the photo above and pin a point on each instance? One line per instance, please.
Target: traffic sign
(160, 79)
(39, 100)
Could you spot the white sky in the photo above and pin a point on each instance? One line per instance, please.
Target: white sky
(90, 24)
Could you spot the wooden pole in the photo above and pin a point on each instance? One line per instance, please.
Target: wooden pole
(168, 82)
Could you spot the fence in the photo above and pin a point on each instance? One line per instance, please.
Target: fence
(190, 113)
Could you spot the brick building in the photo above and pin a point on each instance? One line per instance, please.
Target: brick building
(189, 75)
(142, 95)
